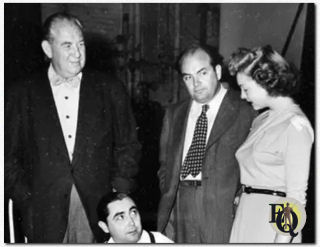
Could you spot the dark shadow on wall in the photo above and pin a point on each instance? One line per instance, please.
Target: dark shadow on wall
(149, 115)
(22, 39)
(100, 53)
(22, 56)
(306, 99)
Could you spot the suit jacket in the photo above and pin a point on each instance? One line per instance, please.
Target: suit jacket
(38, 172)
(220, 171)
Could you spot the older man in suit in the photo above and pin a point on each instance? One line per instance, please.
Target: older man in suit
(70, 137)
(199, 175)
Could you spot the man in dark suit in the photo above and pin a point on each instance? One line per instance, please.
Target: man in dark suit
(199, 174)
(70, 137)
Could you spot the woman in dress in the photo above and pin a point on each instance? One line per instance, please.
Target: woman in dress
(275, 158)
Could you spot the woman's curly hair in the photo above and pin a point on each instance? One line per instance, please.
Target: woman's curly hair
(268, 68)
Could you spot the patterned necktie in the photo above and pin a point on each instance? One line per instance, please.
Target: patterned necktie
(193, 161)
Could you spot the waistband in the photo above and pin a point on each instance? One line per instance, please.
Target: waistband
(194, 183)
(249, 190)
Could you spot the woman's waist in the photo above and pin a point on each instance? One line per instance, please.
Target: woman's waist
(261, 189)
(266, 187)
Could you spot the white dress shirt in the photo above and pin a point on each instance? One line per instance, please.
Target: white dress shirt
(194, 113)
(145, 238)
(66, 98)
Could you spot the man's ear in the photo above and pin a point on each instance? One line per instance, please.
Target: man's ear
(218, 70)
(46, 47)
(103, 226)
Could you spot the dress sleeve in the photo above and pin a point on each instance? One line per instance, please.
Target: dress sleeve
(297, 159)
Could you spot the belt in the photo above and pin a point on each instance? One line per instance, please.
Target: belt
(249, 190)
(193, 183)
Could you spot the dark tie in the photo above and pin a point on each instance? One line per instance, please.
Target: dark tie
(193, 161)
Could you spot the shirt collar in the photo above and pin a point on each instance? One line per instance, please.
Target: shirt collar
(217, 98)
(143, 239)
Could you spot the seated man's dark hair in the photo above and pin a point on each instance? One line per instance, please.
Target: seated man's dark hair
(102, 208)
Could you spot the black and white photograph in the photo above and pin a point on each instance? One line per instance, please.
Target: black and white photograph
(159, 122)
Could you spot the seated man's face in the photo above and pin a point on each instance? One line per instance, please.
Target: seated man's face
(124, 221)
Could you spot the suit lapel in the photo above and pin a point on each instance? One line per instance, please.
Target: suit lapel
(48, 119)
(85, 96)
(87, 114)
(226, 116)
(180, 119)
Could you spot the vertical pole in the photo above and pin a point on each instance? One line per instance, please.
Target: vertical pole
(292, 29)
(130, 48)
(137, 45)
(159, 25)
(213, 23)
(176, 81)
(202, 10)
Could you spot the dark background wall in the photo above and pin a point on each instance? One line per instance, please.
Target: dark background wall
(269, 22)
(140, 43)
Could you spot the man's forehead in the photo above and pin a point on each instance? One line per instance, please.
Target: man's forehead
(198, 59)
(63, 26)
(120, 206)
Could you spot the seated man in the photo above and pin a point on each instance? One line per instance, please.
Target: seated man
(119, 217)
